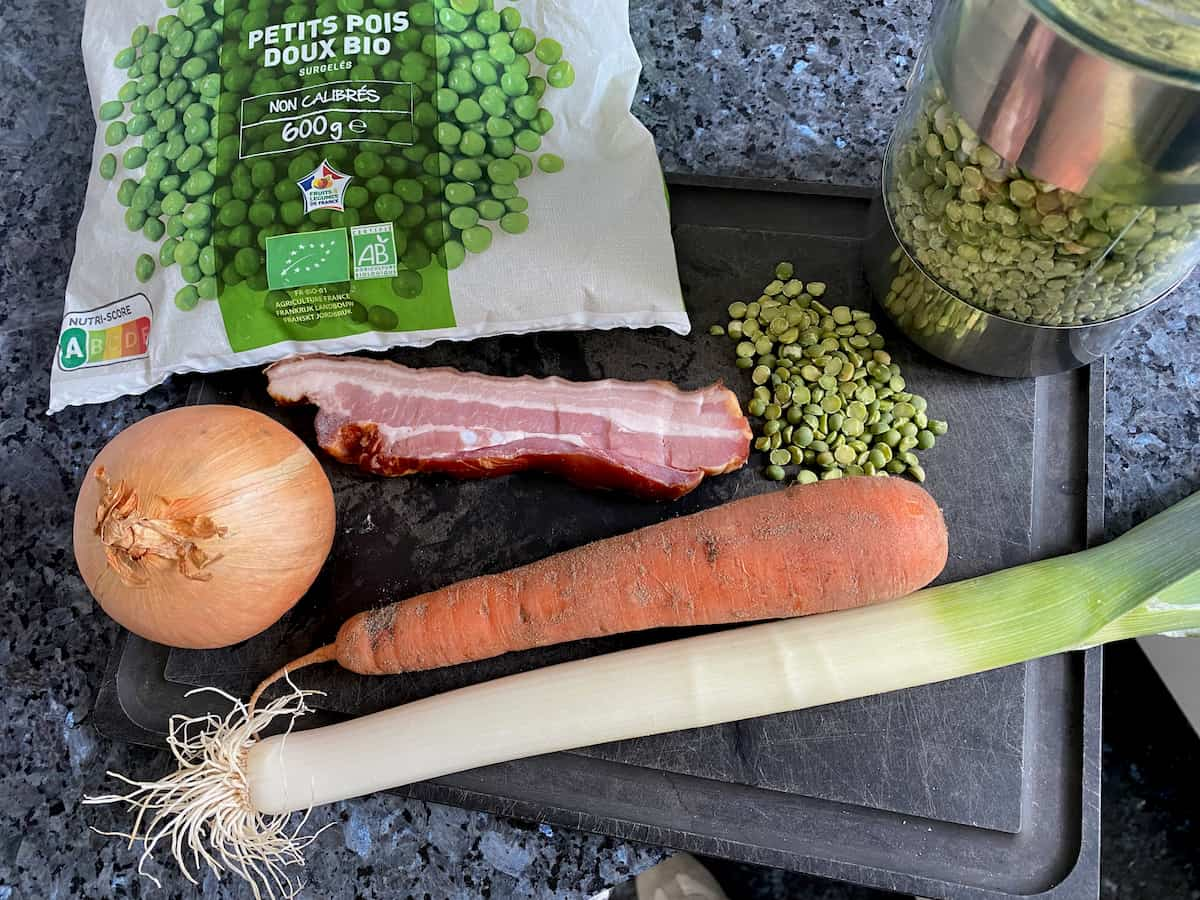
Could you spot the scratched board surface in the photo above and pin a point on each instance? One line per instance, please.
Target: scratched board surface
(950, 752)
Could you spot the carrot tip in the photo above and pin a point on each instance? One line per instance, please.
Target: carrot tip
(328, 653)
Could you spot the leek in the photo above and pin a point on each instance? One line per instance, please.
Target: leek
(230, 801)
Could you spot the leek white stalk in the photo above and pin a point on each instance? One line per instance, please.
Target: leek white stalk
(1146, 582)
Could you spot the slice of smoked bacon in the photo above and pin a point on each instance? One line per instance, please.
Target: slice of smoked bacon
(648, 438)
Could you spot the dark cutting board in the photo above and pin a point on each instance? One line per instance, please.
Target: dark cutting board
(967, 786)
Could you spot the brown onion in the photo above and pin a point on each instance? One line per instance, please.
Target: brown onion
(201, 526)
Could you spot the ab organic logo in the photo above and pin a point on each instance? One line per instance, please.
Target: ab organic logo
(374, 248)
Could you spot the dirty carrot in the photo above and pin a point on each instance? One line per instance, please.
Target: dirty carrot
(809, 549)
(226, 807)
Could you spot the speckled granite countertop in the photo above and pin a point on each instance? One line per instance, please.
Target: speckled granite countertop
(805, 90)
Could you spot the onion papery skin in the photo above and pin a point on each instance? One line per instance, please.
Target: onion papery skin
(255, 480)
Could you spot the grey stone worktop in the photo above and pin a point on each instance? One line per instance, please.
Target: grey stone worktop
(799, 90)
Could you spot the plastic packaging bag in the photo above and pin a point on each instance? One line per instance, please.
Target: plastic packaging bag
(327, 176)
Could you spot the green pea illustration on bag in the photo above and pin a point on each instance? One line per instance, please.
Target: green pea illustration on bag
(295, 176)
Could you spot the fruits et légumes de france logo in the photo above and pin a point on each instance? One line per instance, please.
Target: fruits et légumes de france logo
(324, 188)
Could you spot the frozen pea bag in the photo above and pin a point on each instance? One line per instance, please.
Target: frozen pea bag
(276, 177)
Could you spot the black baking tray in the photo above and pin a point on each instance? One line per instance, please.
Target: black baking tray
(983, 787)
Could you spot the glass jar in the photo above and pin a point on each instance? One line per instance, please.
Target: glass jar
(993, 233)
(921, 308)
(1158, 35)
(1043, 181)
